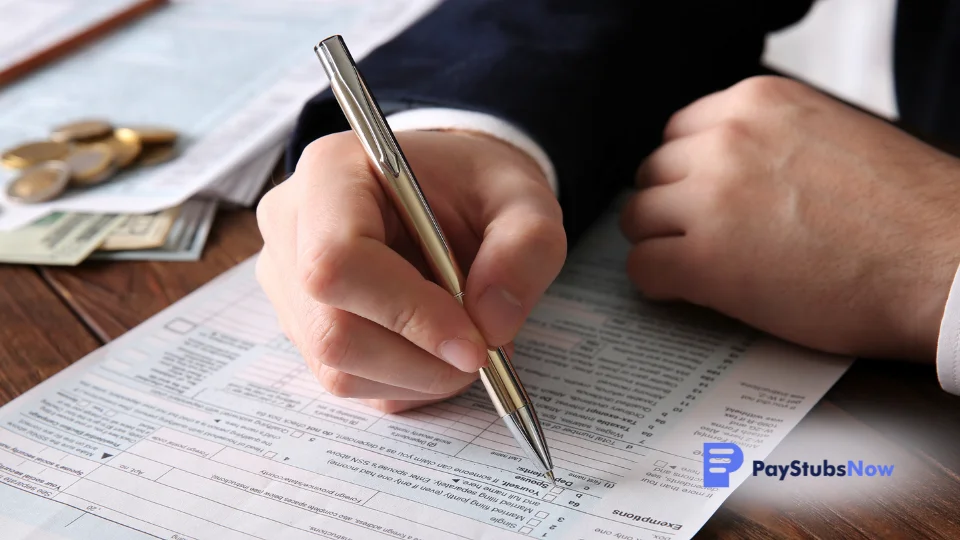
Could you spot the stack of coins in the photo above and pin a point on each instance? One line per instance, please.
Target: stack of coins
(82, 154)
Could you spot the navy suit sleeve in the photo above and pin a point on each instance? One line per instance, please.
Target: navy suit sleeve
(593, 82)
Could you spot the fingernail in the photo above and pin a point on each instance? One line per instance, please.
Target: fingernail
(500, 313)
(461, 354)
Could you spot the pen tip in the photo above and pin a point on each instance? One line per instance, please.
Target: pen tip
(549, 475)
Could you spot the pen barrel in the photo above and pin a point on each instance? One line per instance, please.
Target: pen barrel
(366, 119)
(502, 383)
(499, 376)
(401, 186)
(422, 227)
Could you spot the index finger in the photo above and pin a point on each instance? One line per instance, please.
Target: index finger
(338, 192)
(343, 262)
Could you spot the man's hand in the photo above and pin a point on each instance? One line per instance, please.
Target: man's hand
(803, 217)
(349, 285)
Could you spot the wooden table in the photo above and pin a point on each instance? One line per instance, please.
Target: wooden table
(51, 317)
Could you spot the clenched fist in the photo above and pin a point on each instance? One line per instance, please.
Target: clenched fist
(781, 207)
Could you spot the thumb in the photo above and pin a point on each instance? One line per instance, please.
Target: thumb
(522, 251)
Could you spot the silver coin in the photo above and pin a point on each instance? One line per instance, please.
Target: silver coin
(40, 183)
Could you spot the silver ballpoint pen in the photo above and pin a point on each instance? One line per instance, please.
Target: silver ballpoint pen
(367, 120)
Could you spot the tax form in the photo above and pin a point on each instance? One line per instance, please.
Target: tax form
(204, 422)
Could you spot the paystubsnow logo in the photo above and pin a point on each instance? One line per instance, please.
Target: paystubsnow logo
(722, 459)
(719, 460)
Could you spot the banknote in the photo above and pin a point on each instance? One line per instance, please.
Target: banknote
(141, 231)
(184, 242)
(58, 239)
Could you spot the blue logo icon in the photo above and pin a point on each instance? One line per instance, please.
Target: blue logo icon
(719, 460)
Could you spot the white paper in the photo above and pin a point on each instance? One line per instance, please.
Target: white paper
(35, 25)
(229, 75)
(242, 186)
(204, 422)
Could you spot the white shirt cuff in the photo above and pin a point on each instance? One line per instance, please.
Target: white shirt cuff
(440, 118)
(948, 345)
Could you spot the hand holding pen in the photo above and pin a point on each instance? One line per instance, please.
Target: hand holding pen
(352, 290)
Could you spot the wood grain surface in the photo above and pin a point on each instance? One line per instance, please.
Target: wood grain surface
(113, 297)
(885, 412)
(39, 335)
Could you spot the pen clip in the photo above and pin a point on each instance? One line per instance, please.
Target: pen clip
(363, 106)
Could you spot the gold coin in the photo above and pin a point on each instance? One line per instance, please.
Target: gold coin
(126, 147)
(40, 183)
(90, 164)
(83, 130)
(154, 155)
(151, 134)
(32, 153)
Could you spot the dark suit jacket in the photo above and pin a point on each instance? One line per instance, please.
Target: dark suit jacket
(594, 81)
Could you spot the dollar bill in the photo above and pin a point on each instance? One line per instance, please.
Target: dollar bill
(184, 242)
(141, 231)
(58, 239)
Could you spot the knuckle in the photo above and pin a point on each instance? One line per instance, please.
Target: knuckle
(549, 238)
(406, 320)
(314, 152)
(442, 381)
(729, 136)
(266, 213)
(672, 122)
(329, 340)
(323, 267)
(729, 148)
(337, 383)
(263, 210)
(331, 148)
(767, 89)
(714, 196)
